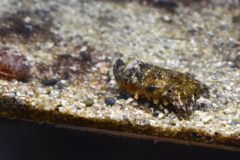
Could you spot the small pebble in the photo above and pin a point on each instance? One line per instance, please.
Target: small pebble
(206, 119)
(135, 104)
(236, 61)
(155, 114)
(125, 117)
(85, 56)
(88, 102)
(122, 96)
(166, 18)
(58, 106)
(49, 82)
(194, 134)
(109, 101)
(236, 19)
(234, 122)
(11, 95)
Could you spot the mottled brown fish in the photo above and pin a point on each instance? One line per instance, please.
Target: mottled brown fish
(13, 64)
(175, 89)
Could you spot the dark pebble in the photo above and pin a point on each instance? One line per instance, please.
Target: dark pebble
(122, 96)
(155, 114)
(68, 76)
(208, 138)
(4, 42)
(194, 135)
(85, 56)
(108, 78)
(236, 19)
(236, 61)
(168, 5)
(109, 101)
(58, 106)
(49, 82)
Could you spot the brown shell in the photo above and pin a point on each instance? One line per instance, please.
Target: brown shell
(13, 64)
(173, 88)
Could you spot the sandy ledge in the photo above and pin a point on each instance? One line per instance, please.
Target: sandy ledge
(58, 37)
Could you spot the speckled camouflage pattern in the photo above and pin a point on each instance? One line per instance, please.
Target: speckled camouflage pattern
(172, 88)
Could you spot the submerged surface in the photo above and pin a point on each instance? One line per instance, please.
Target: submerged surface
(73, 45)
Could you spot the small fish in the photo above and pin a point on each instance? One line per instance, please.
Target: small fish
(13, 64)
(172, 88)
